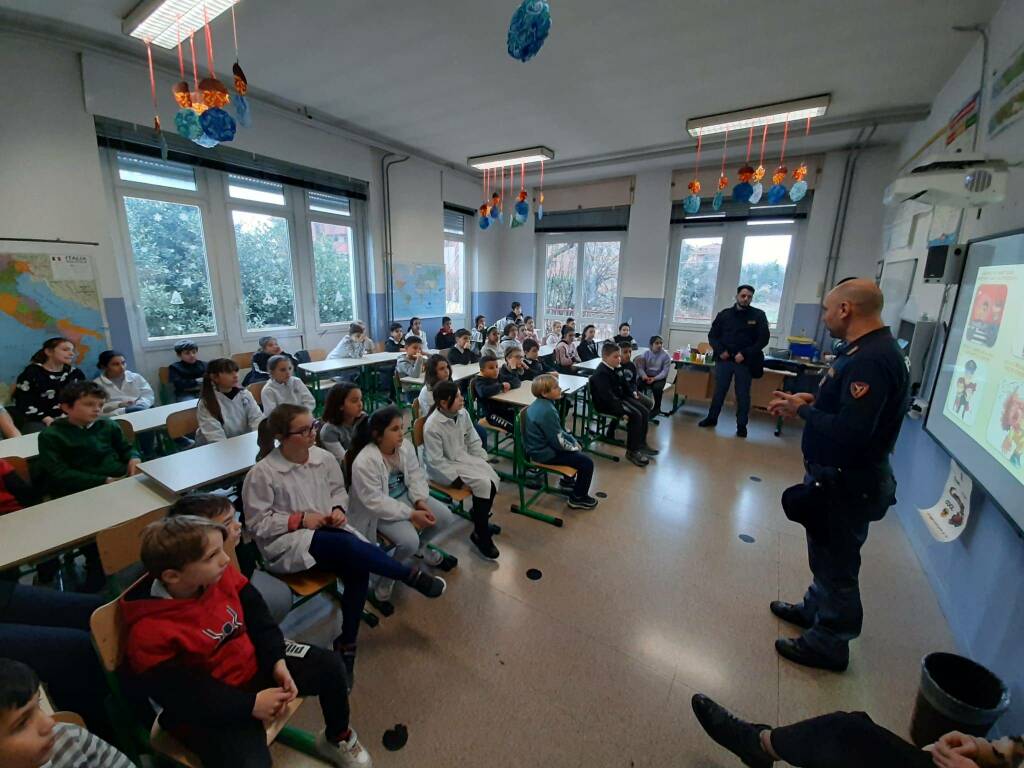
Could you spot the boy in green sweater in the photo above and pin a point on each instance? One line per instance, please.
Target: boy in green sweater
(84, 450)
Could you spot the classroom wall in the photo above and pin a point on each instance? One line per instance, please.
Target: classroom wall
(976, 578)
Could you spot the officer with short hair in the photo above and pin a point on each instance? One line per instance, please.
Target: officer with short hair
(850, 429)
(738, 338)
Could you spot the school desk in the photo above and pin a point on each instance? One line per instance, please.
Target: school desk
(203, 464)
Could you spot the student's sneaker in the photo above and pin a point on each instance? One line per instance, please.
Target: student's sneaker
(437, 559)
(637, 458)
(347, 754)
(485, 547)
(587, 502)
(427, 585)
(741, 431)
(646, 450)
(567, 483)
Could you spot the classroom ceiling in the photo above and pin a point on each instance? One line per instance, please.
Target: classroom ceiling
(614, 78)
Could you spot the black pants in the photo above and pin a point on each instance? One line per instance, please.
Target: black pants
(584, 466)
(481, 514)
(244, 745)
(657, 390)
(725, 371)
(502, 417)
(845, 740)
(636, 426)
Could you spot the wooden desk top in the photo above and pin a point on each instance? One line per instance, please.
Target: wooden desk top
(33, 532)
(345, 363)
(189, 469)
(459, 372)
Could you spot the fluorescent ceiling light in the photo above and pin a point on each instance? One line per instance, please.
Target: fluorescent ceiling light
(769, 114)
(516, 157)
(160, 21)
(756, 223)
(706, 216)
(766, 207)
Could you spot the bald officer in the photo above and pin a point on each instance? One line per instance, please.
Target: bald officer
(850, 429)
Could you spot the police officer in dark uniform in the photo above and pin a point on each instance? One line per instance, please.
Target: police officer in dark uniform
(850, 429)
(738, 337)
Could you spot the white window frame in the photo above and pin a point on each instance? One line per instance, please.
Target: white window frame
(580, 238)
(353, 220)
(460, 319)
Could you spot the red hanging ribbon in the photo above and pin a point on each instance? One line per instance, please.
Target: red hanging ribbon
(764, 137)
(725, 147)
(152, 86)
(696, 165)
(522, 177)
(807, 132)
(785, 137)
(501, 199)
(195, 67)
(209, 42)
(750, 141)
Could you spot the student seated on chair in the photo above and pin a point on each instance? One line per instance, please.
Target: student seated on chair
(127, 391)
(283, 387)
(395, 342)
(30, 738)
(510, 339)
(587, 348)
(555, 335)
(462, 353)
(479, 333)
(415, 329)
(624, 335)
(296, 512)
(513, 371)
(612, 398)
(342, 410)
(653, 367)
(435, 371)
(203, 646)
(527, 330)
(531, 360)
(492, 344)
(268, 349)
(390, 495)
(566, 355)
(548, 443)
(411, 365)
(186, 375)
(225, 409)
(37, 390)
(631, 376)
(485, 387)
(355, 344)
(445, 337)
(454, 455)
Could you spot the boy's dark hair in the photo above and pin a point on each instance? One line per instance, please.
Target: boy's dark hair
(75, 391)
(516, 305)
(462, 332)
(174, 542)
(335, 403)
(413, 340)
(205, 505)
(529, 344)
(395, 327)
(745, 286)
(356, 327)
(509, 327)
(106, 356)
(486, 359)
(623, 325)
(608, 348)
(185, 346)
(570, 319)
(654, 339)
(623, 345)
(445, 320)
(18, 684)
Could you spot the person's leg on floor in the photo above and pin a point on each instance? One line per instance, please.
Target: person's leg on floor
(742, 375)
(844, 740)
(49, 608)
(636, 425)
(238, 745)
(481, 517)
(657, 389)
(321, 673)
(406, 539)
(584, 466)
(723, 379)
(445, 520)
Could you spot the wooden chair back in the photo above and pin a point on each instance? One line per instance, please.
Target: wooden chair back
(182, 423)
(20, 465)
(256, 388)
(120, 546)
(107, 629)
(127, 430)
(165, 375)
(243, 359)
(317, 355)
(416, 408)
(417, 430)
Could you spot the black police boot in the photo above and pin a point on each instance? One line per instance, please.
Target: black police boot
(741, 431)
(708, 422)
(797, 651)
(791, 614)
(741, 738)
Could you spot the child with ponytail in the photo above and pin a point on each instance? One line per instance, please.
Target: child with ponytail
(225, 410)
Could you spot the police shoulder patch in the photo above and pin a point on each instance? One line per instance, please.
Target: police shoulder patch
(858, 389)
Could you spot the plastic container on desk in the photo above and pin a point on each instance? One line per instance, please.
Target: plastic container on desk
(801, 346)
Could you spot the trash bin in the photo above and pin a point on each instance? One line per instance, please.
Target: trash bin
(956, 694)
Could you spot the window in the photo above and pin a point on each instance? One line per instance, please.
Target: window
(263, 246)
(763, 266)
(454, 225)
(149, 170)
(334, 269)
(560, 280)
(600, 280)
(585, 288)
(256, 190)
(321, 202)
(169, 252)
(696, 280)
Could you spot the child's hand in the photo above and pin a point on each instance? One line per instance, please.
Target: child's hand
(421, 518)
(47, 420)
(133, 467)
(505, 387)
(284, 678)
(269, 703)
(336, 519)
(313, 520)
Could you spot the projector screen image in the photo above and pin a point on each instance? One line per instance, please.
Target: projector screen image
(977, 409)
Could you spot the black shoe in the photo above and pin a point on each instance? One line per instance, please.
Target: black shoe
(494, 528)
(741, 738)
(707, 423)
(741, 431)
(791, 614)
(486, 547)
(646, 450)
(797, 651)
(567, 483)
(587, 502)
(610, 431)
(637, 458)
(384, 607)
(425, 584)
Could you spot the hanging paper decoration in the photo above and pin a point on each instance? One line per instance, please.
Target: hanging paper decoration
(485, 218)
(691, 203)
(239, 101)
(777, 191)
(540, 200)
(528, 29)
(757, 190)
(723, 180)
(187, 123)
(742, 191)
(156, 108)
(799, 189)
(217, 124)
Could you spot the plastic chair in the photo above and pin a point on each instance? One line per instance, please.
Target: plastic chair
(243, 359)
(454, 498)
(127, 430)
(20, 465)
(317, 355)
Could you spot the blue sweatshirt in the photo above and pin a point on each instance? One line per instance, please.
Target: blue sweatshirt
(544, 434)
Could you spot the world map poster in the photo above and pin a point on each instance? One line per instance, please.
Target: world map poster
(45, 295)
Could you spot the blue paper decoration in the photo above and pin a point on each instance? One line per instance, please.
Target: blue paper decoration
(776, 193)
(206, 141)
(522, 209)
(742, 191)
(691, 203)
(528, 29)
(755, 194)
(485, 222)
(718, 199)
(540, 211)
(218, 124)
(187, 123)
(164, 149)
(242, 114)
(798, 191)
(495, 213)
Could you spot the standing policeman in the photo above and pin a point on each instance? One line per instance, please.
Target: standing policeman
(738, 337)
(849, 431)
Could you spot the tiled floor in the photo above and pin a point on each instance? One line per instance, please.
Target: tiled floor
(643, 601)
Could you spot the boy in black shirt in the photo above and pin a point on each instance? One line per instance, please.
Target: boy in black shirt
(630, 376)
(186, 375)
(462, 353)
(531, 360)
(395, 342)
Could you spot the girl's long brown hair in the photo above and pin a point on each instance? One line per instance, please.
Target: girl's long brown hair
(40, 355)
(277, 424)
(208, 394)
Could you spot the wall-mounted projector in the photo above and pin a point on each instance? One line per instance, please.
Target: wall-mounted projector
(967, 180)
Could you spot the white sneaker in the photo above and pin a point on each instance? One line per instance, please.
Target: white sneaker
(347, 754)
(431, 556)
(382, 591)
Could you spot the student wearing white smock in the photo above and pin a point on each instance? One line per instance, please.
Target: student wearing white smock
(126, 390)
(389, 493)
(454, 455)
(224, 409)
(283, 387)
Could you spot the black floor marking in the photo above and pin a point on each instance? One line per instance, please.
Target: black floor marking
(747, 538)
(395, 739)
(755, 478)
(534, 574)
(601, 495)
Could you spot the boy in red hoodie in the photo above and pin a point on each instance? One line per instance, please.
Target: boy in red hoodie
(203, 644)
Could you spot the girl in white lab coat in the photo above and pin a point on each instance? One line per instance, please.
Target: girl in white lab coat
(453, 455)
(225, 410)
(435, 371)
(126, 390)
(388, 492)
(283, 387)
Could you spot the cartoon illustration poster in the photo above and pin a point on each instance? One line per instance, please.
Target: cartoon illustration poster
(1006, 425)
(947, 518)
